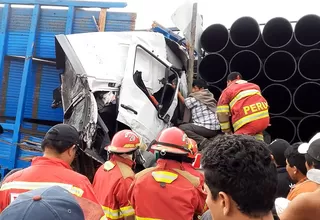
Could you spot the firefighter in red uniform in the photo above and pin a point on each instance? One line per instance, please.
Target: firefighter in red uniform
(247, 107)
(60, 145)
(190, 159)
(168, 191)
(113, 179)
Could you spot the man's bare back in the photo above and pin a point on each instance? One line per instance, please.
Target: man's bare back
(304, 207)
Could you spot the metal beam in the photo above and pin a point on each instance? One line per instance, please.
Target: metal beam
(75, 3)
(7, 126)
(70, 18)
(23, 87)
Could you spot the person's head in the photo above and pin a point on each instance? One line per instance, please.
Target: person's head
(311, 151)
(61, 141)
(172, 144)
(233, 76)
(44, 203)
(193, 147)
(277, 148)
(124, 143)
(198, 85)
(295, 163)
(241, 179)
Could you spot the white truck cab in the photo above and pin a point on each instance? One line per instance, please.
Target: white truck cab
(116, 80)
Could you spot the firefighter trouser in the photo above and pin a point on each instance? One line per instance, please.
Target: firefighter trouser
(254, 128)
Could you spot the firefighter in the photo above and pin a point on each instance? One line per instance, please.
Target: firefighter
(247, 107)
(188, 162)
(59, 147)
(113, 179)
(168, 191)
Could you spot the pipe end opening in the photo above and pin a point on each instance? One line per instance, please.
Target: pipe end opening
(213, 68)
(245, 32)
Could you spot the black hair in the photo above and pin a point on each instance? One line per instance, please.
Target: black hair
(312, 162)
(58, 146)
(242, 167)
(296, 159)
(233, 76)
(200, 83)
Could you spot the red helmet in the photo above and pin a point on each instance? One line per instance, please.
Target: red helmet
(124, 141)
(193, 147)
(172, 140)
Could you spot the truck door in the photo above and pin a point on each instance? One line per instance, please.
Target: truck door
(147, 99)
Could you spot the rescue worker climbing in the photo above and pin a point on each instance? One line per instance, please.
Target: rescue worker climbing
(168, 191)
(60, 147)
(247, 107)
(113, 179)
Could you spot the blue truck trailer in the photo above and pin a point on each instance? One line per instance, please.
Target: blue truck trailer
(27, 66)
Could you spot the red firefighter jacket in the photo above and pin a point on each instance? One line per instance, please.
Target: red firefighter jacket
(243, 102)
(188, 167)
(45, 172)
(166, 192)
(111, 184)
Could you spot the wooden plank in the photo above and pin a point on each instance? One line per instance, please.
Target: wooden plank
(190, 45)
(102, 19)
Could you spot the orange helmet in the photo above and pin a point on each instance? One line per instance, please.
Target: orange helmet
(124, 141)
(172, 140)
(193, 147)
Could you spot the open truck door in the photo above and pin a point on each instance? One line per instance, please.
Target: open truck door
(147, 97)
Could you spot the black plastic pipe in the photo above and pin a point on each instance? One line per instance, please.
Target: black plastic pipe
(307, 30)
(309, 65)
(282, 127)
(279, 98)
(213, 68)
(215, 90)
(215, 38)
(280, 66)
(308, 127)
(245, 32)
(247, 63)
(277, 33)
(306, 98)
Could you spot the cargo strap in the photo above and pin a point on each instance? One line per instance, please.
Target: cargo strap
(247, 119)
(242, 95)
(36, 96)
(118, 213)
(36, 185)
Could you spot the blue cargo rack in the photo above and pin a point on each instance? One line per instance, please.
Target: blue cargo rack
(26, 33)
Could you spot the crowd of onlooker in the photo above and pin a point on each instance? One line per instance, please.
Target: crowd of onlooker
(244, 179)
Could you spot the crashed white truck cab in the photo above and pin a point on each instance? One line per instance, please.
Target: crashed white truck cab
(109, 81)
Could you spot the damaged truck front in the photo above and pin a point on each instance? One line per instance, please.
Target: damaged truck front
(116, 80)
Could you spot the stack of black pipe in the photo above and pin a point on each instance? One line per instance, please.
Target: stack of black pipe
(283, 58)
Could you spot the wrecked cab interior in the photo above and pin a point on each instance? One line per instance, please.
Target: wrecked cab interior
(113, 81)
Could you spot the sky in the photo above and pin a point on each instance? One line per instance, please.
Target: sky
(221, 11)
